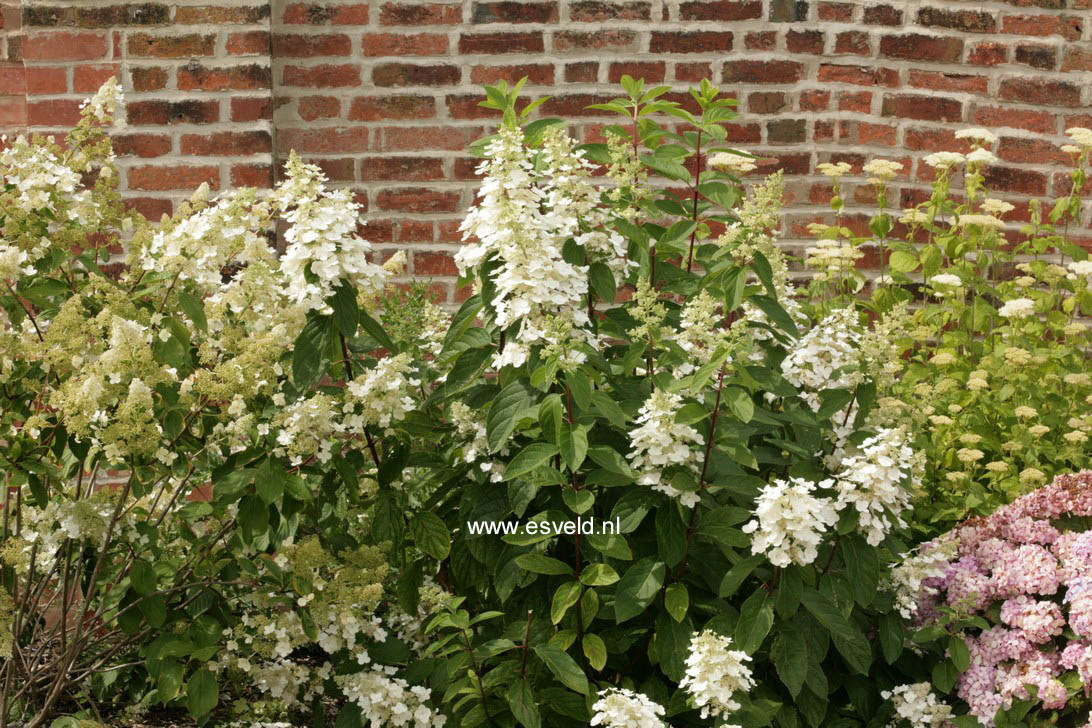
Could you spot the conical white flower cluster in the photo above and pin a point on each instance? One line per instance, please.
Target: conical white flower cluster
(827, 357)
(790, 522)
(872, 481)
(715, 673)
(621, 708)
(659, 442)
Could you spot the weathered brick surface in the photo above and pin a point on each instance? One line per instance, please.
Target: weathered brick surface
(383, 94)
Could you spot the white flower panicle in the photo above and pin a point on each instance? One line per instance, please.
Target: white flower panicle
(790, 522)
(1017, 308)
(380, 396)
(389, 701)
(909, 578)
(917, 707)
(36, 175)
(323, 247)
(525, 216)
(659, 442)
(715, 673)
(873, 481)
(827, 357)
(621, 708)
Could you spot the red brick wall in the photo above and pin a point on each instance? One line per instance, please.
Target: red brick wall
(383, 93)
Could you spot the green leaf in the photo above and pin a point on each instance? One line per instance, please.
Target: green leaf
(501, 420)
(539, 564)
(606, 406)
(521, 700)
(599, 575)
(529, 458)
(863, 563)
(563, 667)
(270, 481)
(902, 261)
(431, 535)
(847, 638)
(550, 418)
(308, 351)
(637, 588)
(891, 637)
(677, 601)
(959, 654)
(143, 578)
(253, 517)
(202, 693)
(375, 330)
(566, 595)
(346, 310)
(740, 404)
(602, 281)
(735, 577)
(194, 308)
(945, 675)
(776, 314)
(789, 655)
(595, 650)
(349, 717)
(574, 446)
(756, 617)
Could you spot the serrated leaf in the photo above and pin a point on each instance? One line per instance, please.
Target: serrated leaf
(202, 693)
(430, 534)
(540, 564)
(595, 650)
(529, 458)
(574, 445)
(789, 655)
(563, 667)
(756, 617)
(501, 420)
(677, 601)
(566, 595)
(308, 351)
(521, 701)
(637, 588)
(599, 575)
(602, 281)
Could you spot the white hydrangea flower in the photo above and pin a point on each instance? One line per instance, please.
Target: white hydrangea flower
(36, 175)
(714, 673)
(977, 134)
(389, 701)
(621, 708)
(379, 397)
(882, 170)
(827, 357)
(659, 442)
(981, 156)
(944, 160)
(908, 578)
(106, 102)
(790, 522)
(471, 428)
(1017, 308)
(872, 482)
(917, 706)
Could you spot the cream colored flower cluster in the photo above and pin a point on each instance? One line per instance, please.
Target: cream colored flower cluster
(659, 442)
(790, 522)
(715, 673)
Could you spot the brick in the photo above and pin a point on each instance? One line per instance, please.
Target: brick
(65, 46)
(252, 175)
(377, 108)
(226, 143)
(417, 199)
(1040, 91)
(1037, 56)
(876, 134)
(572, 40)
(434, 264)
(337, 170)
(415, 231)
(405, 74)
(427, 138)
(988, 54)
(935, 80)
(402, 169)
(324, 76)
(536, 73)
(148, 79)
(918, 47)
(174, 177)
(805, 41)
(472, 43)
(650, 71)
(1030, 151)
(765, 40)
(159, 113)
(297, 45)
(698, 41)
(142, 145)
(693, 72)
(788, 11)
(823, 131)
(251, 109)
(88, 77)
(1069, 28)
(143, 45)
(763, 71)
(814, 100)
(468, 106)
(311, 108)
(576, 104)
(505, 11)
(1042, 122)
(882, 15)
(248, 43)
(852, 42)
(969, 21)
(151, 208)
(721, 10)
(427, 14)
(1009, 179)
(221, 14)
(13, 80)
(836, 12)
(596, 11)
(324, 140)
(1047, 4)
(767, 102)
(394, 44)
(195, 77)
(325, 14)
(928, 108)
(583, 72)
(1077, 59)
(859, 75)
(927, 139)
(39, 81)
(855, 101)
